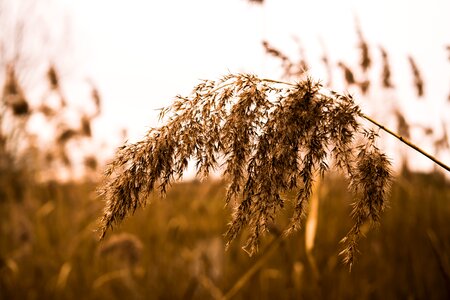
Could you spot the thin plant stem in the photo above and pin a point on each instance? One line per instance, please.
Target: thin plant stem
(405, 141)
(277, 81)
(402, 139)
(274, 244)
(311, 227)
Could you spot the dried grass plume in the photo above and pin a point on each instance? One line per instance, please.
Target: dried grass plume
(269, 137)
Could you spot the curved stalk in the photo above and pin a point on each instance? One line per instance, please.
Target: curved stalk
(402, 139)
(405, 141)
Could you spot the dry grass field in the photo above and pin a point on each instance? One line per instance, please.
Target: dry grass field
(175, 249)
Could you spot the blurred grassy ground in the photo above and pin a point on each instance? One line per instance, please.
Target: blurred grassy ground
(174, 249)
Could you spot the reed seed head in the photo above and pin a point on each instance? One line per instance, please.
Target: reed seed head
(418, 81)
(270, 137)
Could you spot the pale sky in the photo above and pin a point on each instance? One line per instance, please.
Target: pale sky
(142, 53)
